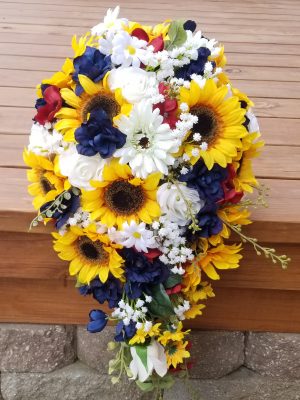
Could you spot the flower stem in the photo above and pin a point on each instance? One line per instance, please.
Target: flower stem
(268, 252)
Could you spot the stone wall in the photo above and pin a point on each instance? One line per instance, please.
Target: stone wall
(54, 362)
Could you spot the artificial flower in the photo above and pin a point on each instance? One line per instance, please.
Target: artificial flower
(51, 104)
(149, 142)
(137, 236)
(168, 108)
(98, 321)
(174, 335)
(120, 197)
(45, 142)
(109, 291)
(178, 202)
(96, 96)
(208, 221)
(220, 123)
(98, 135)
(142, 334)
(111, 21)
(45, 185)
(156, 361)
(90, 255)
(80, 169)
(136, 83)
(91, 63)
(176, 353)
(195, 66)
(223, 256)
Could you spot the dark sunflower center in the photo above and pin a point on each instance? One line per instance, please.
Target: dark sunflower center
(123, 198)
(172, 350)
(207, 124)
(144, 142)
(93, 251)
(98, 101)
(46, 185)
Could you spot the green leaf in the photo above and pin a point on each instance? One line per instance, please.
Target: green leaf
(173, 280)
(160, 305)
(177, 35)
(166, 382)
(141, 351)
(145, 386)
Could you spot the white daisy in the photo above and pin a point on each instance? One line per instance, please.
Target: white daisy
(136, 235)
(150, 143)
(110, 22)
(125, 50)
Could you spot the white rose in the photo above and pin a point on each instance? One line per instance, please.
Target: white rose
(80, 169)
(136, 83)
(44, 142)
(156, 360)
(173, 202)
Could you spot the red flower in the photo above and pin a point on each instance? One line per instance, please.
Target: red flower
(140, 34)
(174, 290)
(157, 43)
(53, 104)
(168, 109)
(230, 194)
(153, 253)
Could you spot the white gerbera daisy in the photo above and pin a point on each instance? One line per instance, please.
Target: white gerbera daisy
(136, 235)
(150, 143)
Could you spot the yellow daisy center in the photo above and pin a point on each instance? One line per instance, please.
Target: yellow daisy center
(92, 251)
(103, 100)
(123, 198)
(137, 235)
(131, 50)
(208, 124)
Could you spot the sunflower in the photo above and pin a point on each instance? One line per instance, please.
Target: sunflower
(220, 123)
(220, 257)
(141, 334)
(95, 96)
(91, 254)
(174, 335)
(245, 179)
(176, 352)
(122, 198)
(46, 184)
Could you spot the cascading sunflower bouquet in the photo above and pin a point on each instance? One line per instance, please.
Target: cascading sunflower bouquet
(140, 154)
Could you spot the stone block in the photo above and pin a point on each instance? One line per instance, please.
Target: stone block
(35, 348)
(216, 353)
(74, 382)
(240, 385)
(92, 347)
(274, 354)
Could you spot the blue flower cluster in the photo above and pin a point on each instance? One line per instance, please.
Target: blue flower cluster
(109, 291)
(93, 64)
(98, 135)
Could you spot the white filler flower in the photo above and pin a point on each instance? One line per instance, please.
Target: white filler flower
(136, 235)
(177, 201)
(149, 144)
(80, 169)
(44, 142)
(136, 83)
(156, 361)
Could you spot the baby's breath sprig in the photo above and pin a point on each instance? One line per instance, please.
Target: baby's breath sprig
(268, 252)
(54, 206)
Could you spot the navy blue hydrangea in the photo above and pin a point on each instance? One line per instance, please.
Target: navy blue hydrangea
(208, 183)
(97, 135)
(190, 25)
(98, 321)
(91, 63)
(110, 291)
(195, 66)
(41, 101)
(62, 214)
(208, 221)
(141, 273)
(125, 332)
